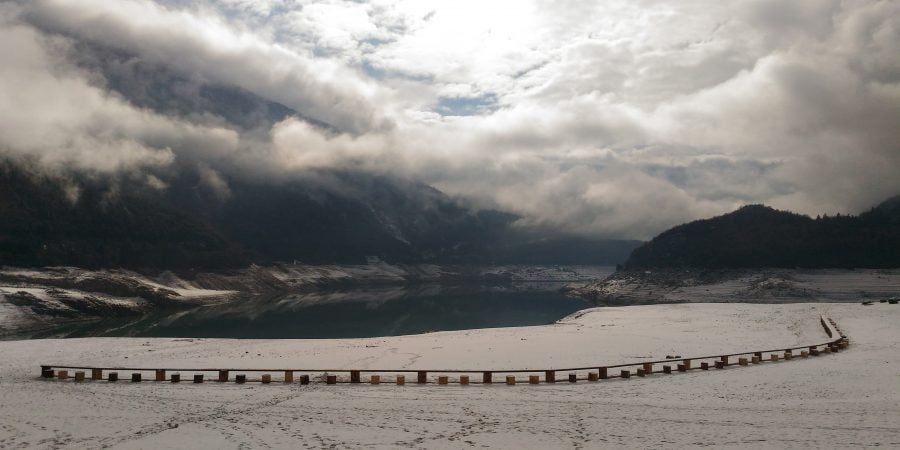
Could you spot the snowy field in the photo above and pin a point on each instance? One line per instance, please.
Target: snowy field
(833, 401)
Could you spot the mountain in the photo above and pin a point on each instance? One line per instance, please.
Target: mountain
(757, 236)
(42, 226)
(95, 221)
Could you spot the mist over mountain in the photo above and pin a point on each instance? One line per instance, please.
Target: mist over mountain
(757, 236)
(326, 217)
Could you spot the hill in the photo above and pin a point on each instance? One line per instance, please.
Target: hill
(757, 236)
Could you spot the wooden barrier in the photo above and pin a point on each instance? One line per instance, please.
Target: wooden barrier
(240, 378)
(400, 380)
(595, 373)
(510, 380)
(175, 378)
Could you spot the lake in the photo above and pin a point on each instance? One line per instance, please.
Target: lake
(386, 311)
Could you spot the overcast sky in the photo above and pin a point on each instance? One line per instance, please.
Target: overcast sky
(605, 118)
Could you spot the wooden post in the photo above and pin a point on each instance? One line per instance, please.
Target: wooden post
(774, 357)
(354, 376)
(464, 380)
(742, 361)
(510, 380)
(421, 377)
(804, 354)
(401, 380)
(62, 374)
(136, 377)
(443, 379)
(667, 369)
(687, 364)
(704, 365)
(720, 364)
(550, 376)
(648, 368)
(788, 354)
(813, 351)
(534, 379)
(240, 378)
(304, 379)
(681, 368)
(223, 376)
(47, 372)
(626, 374)
(641, 372)
(487, 377)
(113, 376)
(573, 378)
(593, 376)
(160, 375)
(331, 379)
(724, 359)
(79, 376)
(602, 373)
(375, 379)
(198, 378)
(266, 378)
(96, 374)
(288, 376)
(755, 359)
(175, 378)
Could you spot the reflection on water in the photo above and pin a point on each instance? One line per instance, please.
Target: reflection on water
(356, 313)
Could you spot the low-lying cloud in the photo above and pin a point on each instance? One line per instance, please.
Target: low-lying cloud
(615, 119)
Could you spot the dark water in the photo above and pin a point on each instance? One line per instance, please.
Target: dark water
(358, 313)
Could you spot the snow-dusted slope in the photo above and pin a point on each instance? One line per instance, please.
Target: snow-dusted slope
(839, 400)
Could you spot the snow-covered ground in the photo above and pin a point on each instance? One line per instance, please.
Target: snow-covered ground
(833, 401)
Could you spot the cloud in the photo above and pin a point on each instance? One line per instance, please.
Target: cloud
(617, 118)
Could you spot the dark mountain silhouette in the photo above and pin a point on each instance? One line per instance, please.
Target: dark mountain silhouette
(331, 217)
(757, 236)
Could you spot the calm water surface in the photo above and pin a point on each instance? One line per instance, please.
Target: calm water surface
(347, 314)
